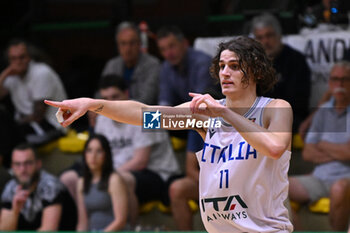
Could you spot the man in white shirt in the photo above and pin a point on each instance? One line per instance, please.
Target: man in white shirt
(29, 83)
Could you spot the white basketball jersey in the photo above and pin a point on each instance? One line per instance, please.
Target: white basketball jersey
(241, 190)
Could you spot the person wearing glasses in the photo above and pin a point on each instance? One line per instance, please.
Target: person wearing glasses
(29, 82)
(35, 199)
(327, 144)
(140, 71)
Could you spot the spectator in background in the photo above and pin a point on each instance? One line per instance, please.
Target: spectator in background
(29, 83)
(294, 82)
(102, 194)
(327, 145)
(304, 126)
(184, 70)
(182, 191)
(34, 199)
(139, 70)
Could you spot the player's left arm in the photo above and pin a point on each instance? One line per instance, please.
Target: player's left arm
(275, 137)
(271, 140)
(51, 217)
(336, 150)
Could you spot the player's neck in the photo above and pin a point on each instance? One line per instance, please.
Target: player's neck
(241, 104)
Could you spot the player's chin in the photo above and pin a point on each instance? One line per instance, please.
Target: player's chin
(227, 91)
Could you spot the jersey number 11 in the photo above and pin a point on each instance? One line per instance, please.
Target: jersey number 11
(224, 178)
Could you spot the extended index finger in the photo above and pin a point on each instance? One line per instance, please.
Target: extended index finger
(54, 103)
(192, 94)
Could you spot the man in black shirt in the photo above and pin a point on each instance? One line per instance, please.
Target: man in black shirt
(294, 82)
(34, 199)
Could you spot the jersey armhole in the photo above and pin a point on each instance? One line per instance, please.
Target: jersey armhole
(261, 122)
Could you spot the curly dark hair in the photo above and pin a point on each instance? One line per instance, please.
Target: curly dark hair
(253, 62)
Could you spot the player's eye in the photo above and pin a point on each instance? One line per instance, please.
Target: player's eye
(234, 66)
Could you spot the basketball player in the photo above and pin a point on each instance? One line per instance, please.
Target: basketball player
(243, 164)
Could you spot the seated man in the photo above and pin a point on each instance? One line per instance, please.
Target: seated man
(29, 83)
(139, 70)
(327, 145)
(294, 77)
(184, 69)
(34, 199)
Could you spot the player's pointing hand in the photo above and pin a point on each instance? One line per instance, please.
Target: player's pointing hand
(70, 110)
(206, 105)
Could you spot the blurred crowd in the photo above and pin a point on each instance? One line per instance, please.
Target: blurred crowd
(123, 167)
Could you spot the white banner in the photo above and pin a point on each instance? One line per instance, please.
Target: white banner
(321, 51)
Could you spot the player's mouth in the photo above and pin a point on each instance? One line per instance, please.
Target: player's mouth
(226, 83)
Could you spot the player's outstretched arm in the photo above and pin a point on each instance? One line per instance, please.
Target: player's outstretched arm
(126, 111)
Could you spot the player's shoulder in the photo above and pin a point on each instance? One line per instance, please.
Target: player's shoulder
(278, 103)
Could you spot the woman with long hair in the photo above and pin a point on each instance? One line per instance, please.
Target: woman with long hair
(101, 193)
